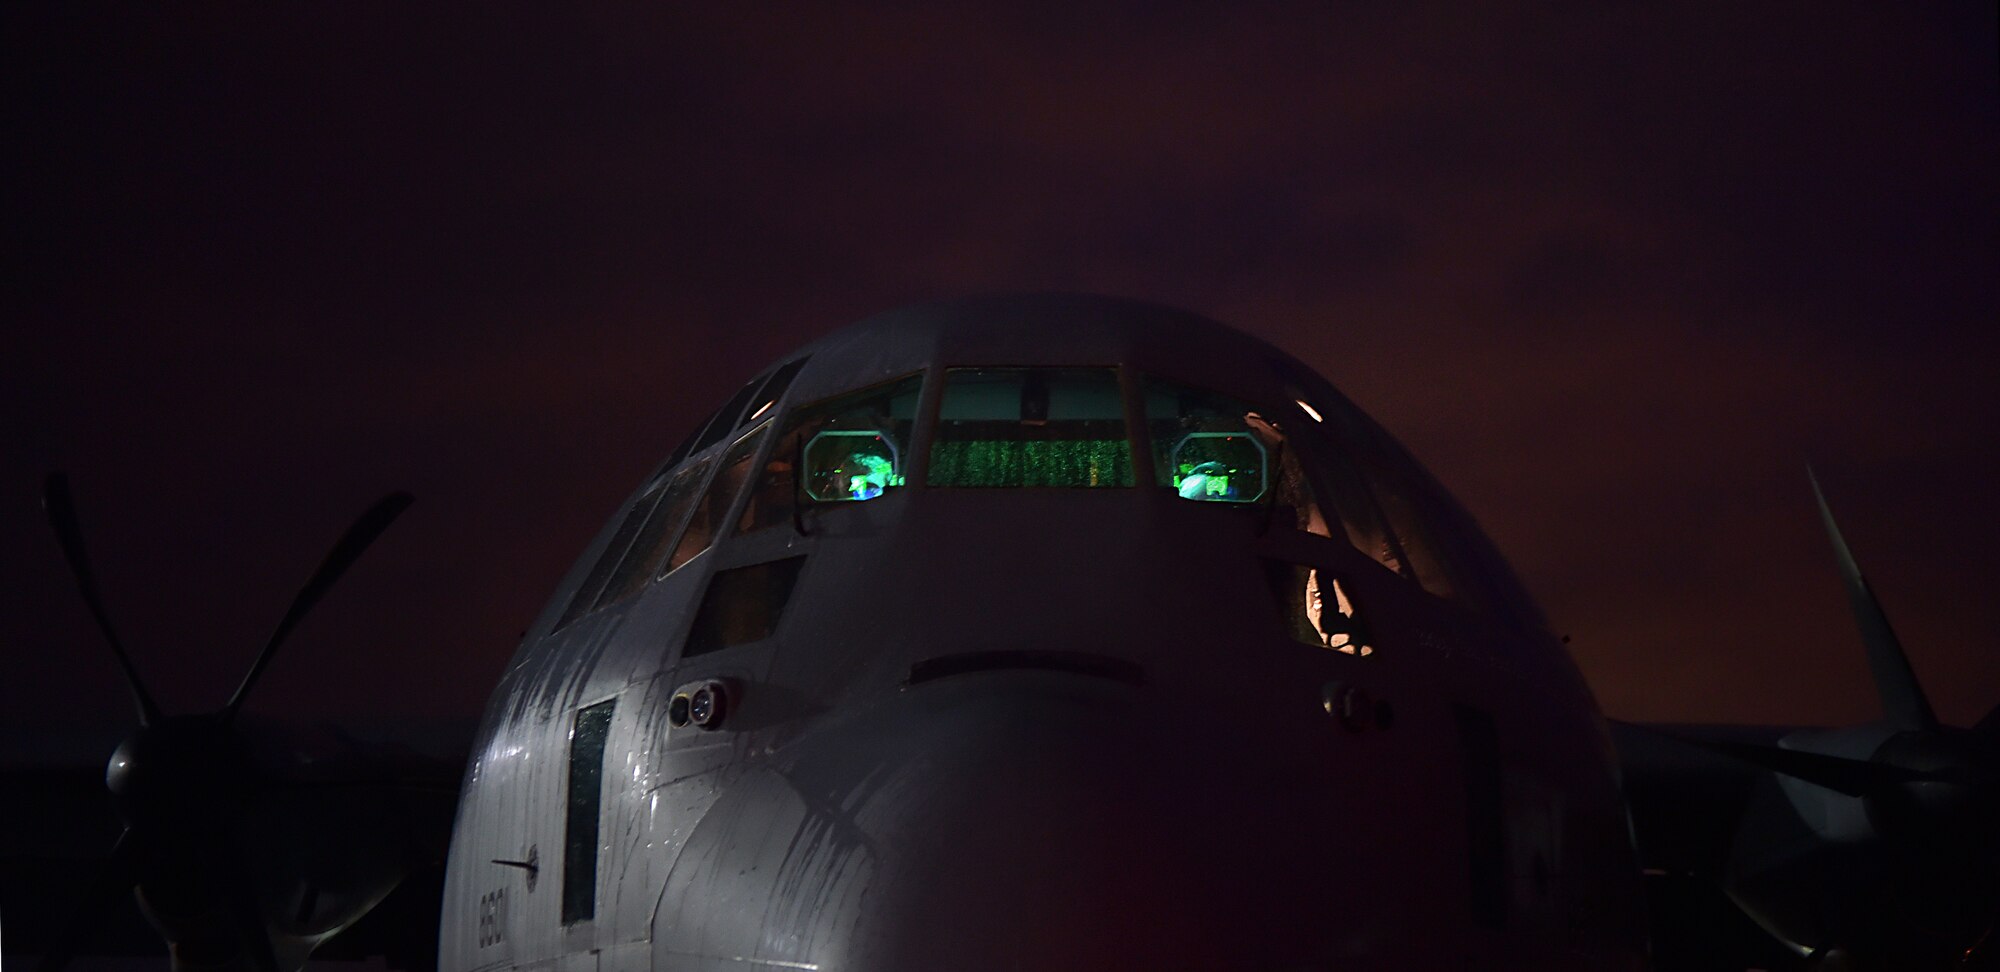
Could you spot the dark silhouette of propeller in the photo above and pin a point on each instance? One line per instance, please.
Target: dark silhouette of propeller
(183, 783)
(1853, 777)
(62, 515)
(342, 556)
(1903, 700)
(1904, 707)
(1931, 793)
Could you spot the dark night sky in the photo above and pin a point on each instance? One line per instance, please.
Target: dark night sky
(1615, 272)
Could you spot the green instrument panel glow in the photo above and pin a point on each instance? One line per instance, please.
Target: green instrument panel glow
(1032, 462)
(1219, 467)
(1031, 427)
(844, 465)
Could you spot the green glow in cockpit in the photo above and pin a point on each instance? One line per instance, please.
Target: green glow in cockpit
(848, 465)
(1210, 480)
(1219, 467)
(1060, 428)
(875, 476)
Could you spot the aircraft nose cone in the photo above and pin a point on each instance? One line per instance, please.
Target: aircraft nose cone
(1018, 820)
(1036, 826)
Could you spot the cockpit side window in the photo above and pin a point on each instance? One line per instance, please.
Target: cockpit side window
(1031, 427)
(1204, 448)
(726, 420)
(1448, 552)
(586, 597)
(706, 523)
(769, 390)
(853, 447)
(675, 498)
(1414, 530)
(1338, 446)
(1409, 517)
(773, 390)
(686, 448)
(1346, 489)
(636, 547)
(660, 519)
(1210, 448)
(1295, 504)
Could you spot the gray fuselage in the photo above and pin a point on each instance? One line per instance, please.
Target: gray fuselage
(1030, 699)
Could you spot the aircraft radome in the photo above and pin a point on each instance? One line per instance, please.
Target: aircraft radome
(1053, 633)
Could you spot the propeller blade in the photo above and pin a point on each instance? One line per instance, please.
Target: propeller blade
(1853, 777)
(1903, 700)
(98, 896)
(62, 515)
(250, 931)
(342, 556)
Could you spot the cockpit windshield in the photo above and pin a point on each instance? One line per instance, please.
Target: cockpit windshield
(1319, 470)
(1031, 427)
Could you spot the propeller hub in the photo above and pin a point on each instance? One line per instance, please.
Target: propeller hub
(1958, 806)
(183, 769)
(185, 784)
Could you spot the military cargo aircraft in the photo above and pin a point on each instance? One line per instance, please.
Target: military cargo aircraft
(1052, 633)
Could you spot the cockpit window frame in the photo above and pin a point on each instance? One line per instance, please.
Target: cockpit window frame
(1146, 384)
(600, 587)
(777, 491)
(1337, 455)
(767, 391)
(771, 394)
(1467, 571)
(722, 518)
(1336, 473)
